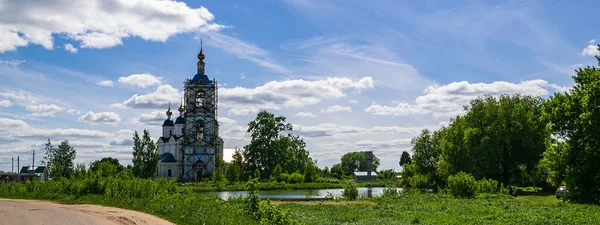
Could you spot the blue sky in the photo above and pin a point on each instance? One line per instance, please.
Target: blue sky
(350, 75)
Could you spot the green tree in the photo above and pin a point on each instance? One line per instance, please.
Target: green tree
(575, 117)
(145, 156)
(555, 161)
(426, 156)
(109, 160)
(234, 171)
(356, 161)
(270, 145)
(496, 139)
(59, 160)
(404, 158)
(336, 170)
(278, 170)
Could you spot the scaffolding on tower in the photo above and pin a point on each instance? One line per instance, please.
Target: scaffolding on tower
(201, 144)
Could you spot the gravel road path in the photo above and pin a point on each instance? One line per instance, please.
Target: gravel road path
(21, 212)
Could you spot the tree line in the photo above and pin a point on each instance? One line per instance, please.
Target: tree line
(518, 140)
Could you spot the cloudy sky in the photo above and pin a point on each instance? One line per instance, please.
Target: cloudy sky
(350, 75)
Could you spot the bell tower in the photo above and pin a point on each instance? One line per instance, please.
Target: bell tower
(202, 146)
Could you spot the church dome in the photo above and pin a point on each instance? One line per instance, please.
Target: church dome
(180, 120)
(168, 123)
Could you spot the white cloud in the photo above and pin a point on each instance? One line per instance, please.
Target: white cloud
(69, 47)
(353, 101)
(243, 76)
(337, 108)
(43, 110)
(97, 23)
(288, 93)
(155, 118)
(590, 50)
(99, 118)
(11, 62)
(141, 80)
(305, 114)
(330, 129)
(246, 51)
(591, 41)
(73, 112)
(105, 83)
(448, 100)
(5, 104)
(24, 97)
(157, 99)
(8, 126)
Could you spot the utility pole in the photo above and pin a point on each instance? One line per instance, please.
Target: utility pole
(33, 161)
(12, 165)
(18, 170)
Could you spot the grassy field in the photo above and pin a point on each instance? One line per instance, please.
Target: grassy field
(162, 199)
(441, 209)
(241, 186)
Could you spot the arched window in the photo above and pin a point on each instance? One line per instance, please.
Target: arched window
(169, 173)
(200, 99)
(170, 133)
(199, 129)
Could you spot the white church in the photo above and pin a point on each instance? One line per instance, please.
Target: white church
(190, 146)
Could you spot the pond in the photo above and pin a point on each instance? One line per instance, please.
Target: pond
(298, 194)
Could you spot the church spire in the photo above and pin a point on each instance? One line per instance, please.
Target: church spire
(201, 60)
(169, 113)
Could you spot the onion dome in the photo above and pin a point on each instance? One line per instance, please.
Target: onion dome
(180, 120)
(168, 123)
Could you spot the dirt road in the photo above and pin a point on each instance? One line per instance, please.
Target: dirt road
(21, 212)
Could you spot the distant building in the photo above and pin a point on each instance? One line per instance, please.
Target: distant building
(190, 146)
(364, 176)
(29, 173)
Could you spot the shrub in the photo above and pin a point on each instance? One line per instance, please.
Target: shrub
(487, 186)
(350, 190)
(390, 191)
(418, 181)
(283, 177)
(295, 178)
(462, 185)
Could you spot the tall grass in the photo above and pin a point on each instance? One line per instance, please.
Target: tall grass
(159, 197)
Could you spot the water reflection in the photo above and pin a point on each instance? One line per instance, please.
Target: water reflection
(314, 193)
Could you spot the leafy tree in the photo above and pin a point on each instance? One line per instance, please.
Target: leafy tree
(357, 161)
(336, 170)
(575, 117)
(109, 160)
(270, 146)
(554, 161)
(425, 161)
(404, 158)
(145, 156)
(496, 139)
(234, 170)
(59, 161)
(278, 170)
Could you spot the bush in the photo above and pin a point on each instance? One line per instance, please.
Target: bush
(418, 181)
(487, 186)
(295, 178)
(350, 190)
(283, 177)
(462, 185)
(390, 191)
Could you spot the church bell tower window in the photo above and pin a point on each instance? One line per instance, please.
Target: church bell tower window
(200, 99)
(199, 129)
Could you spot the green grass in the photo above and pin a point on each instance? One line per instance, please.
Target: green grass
(241, 186)
(443, 209)
(162, 199)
